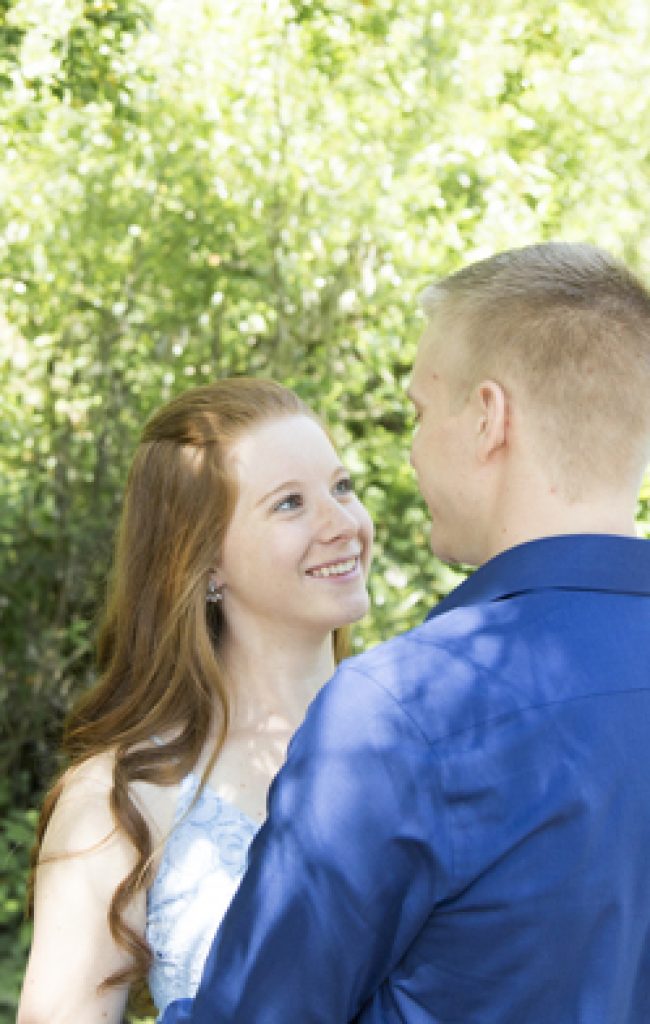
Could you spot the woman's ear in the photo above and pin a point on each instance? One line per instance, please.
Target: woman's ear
(492, 408)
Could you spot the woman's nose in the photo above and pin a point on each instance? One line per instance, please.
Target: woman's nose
(337, 520)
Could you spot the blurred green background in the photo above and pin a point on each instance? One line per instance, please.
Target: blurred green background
(197, 188)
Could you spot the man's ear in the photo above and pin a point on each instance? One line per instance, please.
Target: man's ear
(492, 409)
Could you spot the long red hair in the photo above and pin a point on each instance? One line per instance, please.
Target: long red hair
(158, 644)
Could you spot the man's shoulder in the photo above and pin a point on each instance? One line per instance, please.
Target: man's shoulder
(436, 673)
(493, 661)
(437, 643)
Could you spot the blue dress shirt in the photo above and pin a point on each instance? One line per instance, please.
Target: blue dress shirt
(461, 833)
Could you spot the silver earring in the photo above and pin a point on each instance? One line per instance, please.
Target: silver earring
(214, 594)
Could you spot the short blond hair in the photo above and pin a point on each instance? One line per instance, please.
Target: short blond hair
(571, 325)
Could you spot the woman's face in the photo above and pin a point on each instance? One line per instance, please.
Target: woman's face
(297, 550)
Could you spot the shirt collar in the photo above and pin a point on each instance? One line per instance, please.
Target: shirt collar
(577, 562)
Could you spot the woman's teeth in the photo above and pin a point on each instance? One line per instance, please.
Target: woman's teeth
(340, 569)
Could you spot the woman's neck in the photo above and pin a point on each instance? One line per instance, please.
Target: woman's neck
(273, 681)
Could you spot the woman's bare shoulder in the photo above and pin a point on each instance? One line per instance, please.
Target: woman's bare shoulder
(82, 815)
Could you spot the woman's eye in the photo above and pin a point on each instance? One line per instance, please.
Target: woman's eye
(289, 503)
(344, 486)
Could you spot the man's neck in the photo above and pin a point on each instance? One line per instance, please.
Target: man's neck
(538, 516)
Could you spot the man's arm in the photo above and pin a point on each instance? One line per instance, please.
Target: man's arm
(342, 876)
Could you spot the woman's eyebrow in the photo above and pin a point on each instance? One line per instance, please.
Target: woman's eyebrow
(296, 485)
(287, 485)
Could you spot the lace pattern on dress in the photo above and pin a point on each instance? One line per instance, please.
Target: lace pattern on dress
(202, 864)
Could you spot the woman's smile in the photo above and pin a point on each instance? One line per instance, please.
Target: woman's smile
(343, 569)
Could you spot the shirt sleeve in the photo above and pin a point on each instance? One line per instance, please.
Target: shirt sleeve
(341, 877)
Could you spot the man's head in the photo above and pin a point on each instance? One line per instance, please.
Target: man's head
(540, 355)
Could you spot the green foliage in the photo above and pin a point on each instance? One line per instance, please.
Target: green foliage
(16, 838)
(192, 189)
(73, 51)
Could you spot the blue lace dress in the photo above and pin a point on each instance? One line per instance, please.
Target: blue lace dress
(202, 865)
